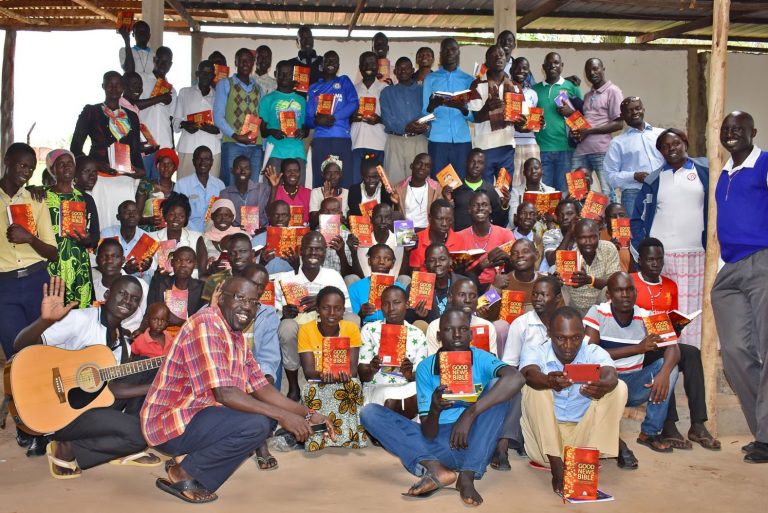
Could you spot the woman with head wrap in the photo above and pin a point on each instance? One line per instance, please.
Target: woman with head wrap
(331, 168)
(214, 240)
(151, 193)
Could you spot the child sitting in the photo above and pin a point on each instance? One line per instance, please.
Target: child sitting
(154, 341)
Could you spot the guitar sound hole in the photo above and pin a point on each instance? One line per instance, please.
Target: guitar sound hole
(88, 378)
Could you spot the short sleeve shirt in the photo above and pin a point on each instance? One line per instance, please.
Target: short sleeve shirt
(415, 351)
(311, 340)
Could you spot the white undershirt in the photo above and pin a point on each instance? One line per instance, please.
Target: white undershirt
(416, 205)
(679, 220)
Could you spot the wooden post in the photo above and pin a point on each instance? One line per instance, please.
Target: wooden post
(197, 53)
(715, 154)
(153, 12)
(504, 16)
(6, 106)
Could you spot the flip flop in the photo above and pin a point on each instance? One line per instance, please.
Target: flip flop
(266, 462)
(54, 462)
(430, 477)
(170, 462)
(536, 466)
(177, 489)
(651, 440)
(132, 460)
(678, 443)
(708, 442)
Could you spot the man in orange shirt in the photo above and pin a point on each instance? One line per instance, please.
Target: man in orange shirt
(439, 231)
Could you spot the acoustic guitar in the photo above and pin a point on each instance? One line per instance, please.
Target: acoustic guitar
(51, 387)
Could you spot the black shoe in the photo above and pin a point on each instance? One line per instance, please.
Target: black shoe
(37, 447)
(748, 448)
(758, 454)
(626, 459)
(23, 439)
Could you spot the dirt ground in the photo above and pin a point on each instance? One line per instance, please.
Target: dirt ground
(371, 480)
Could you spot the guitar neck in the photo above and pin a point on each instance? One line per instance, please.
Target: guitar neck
(126, 369)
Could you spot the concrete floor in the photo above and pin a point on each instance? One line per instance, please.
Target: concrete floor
(370, 480)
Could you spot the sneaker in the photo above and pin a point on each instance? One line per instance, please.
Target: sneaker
(758, 454)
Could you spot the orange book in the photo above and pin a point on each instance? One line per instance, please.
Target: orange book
(268, 296)
(220, 72)
(481, 338)
(507, 246)
(367, 106)
(392, 344)
(210, 206)
(661, 325)
(293, 293)
(336, 355)
(144, 249)
(621, 231)
(545, 202)
(161, 87)
(249, 218)
(176, 300)
(251, 125)
(422, 288)
(448, 177)
(577, 121)
(384, 179)
(383, 68)
(73, 218)
(21, 214)
(567, 263)
(379, 282)
(157, 212)
(124, 21)
(147, 135)
(287, 122)
(281, 239)
(479, 70)
(325, 104)
(512, 305)
(503, 180)
(301, 78)
(201, 118)
(466, 256)
(122, 158)
(164, 250)
(330, 226)
(580, 473)
(297, 215)
(366, 208)
(456, 372)
(577, 184)
(594, 206)
(362, 228)
(533, 122)
(513, 106)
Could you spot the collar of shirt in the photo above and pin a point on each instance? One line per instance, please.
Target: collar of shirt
(688, 165)
(140, 49)
(519, 235)
(750, 161)
(553, 360)
(631, 129)
(560, 81)
(603, 88)
(250, 83)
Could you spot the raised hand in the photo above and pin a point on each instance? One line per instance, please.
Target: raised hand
(52, 308)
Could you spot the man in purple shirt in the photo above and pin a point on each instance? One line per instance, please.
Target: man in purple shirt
(602, 108)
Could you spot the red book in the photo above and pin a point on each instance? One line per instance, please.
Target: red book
(124, 21)
(21, 214)
(147, 135)
(201, 118)
(297, 215)
(251, 125)
(330, 226)
(220, 72)
(621, 231)
(545, 202)
(362, 228)
(384, 179)
(164, 250)
(481, 338)
(367, 106)
(268, 296)
(422, 288)
(577, 184)
(512, 305)
(448, 177)
(379, 282)
(577, 121)
(73, 219)
(456, 372)
(287, 122)
(582, 372)
(567, 263)
(503, 180)
(121, 160)
(661, 325)
(157, 212)
(210, 206)
(301, 78)
(581, 468)
(366, 208)
(293, 293)
(594, 206)
(144, 249)
(281, 239)
(513, 106)
(336, 355)
(161, 87)
(325, 104)
(176, 301)
(382, 68)
(392, 344)
(249, 218)
(535, 116)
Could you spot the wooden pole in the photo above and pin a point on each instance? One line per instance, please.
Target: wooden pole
(715, 154)
(6, 105)
(153, 13)
(504, 16)
(197, 53)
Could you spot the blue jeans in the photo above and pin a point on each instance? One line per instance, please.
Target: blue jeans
(150, 169)
(496, 158)
(628, 197)
(449, 153)
(403, 438)
(554, 165)
(594, 162)
(655, 414)
(20, 300)
(231, 150)
(357, 161)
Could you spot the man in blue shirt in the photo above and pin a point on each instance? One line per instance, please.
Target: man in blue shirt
(400, 109)
(455, 440)
(200, 187)
(449, 139)
(332, 135)
(560, 411)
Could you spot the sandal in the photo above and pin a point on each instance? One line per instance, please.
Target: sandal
(132, 460)
(678, 443)
(654, 442)
(178, 489)
(54, 462)
(537, 466)
(705, 440)
(429, 476)
(268, 463)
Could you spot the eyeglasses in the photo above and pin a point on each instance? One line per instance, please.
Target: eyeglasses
(237, 298)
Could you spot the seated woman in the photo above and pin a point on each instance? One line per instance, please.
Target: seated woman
(148, 191)
(337, 396)
(331, 169)
(171, 289)
(381, 258)
(176, 211)
(214, 240)
(286, 186)
(391, 386)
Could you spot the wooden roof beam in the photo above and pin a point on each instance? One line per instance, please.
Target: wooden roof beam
(355, 16)
(184, 13)
(675, 31)
(18, 17)
(96, 9)
(541, 11)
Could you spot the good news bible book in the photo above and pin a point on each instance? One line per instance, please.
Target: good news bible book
(580, 475)
(392, 344)
(456, 375)
(336, 355)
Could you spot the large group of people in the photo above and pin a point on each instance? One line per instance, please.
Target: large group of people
(240, 320)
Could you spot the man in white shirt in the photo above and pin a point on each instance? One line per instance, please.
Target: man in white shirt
(140, 52)
(367, 131)
(261, 74)
(193, 100)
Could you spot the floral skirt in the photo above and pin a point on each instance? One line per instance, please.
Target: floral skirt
(341, 403)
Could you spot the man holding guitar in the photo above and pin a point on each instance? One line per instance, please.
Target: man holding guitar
(103, 434)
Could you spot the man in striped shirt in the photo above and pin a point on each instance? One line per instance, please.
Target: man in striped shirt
(618, 327)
